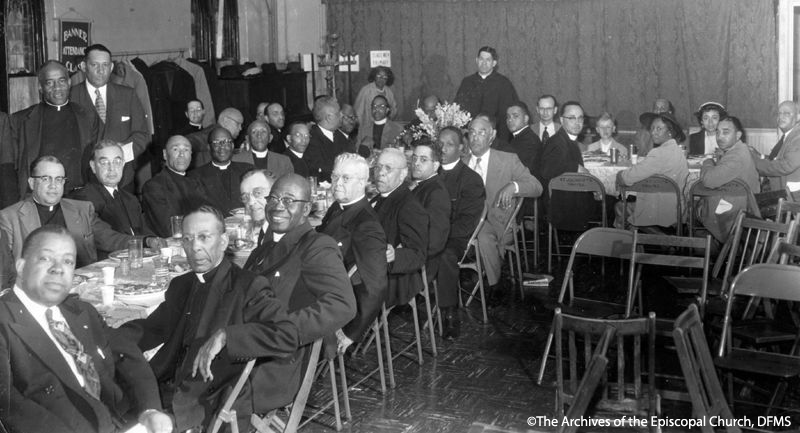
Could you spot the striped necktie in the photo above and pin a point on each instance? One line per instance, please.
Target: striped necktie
(100, 105)
(74, 347)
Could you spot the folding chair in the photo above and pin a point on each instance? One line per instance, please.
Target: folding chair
(512, 249)
(597, 242)
(271, 423)
(656, 184)
(766, 281)
(535, 241)
(705, 390)
(428, 324)
(787, 210)
(477, 266)
(734, 188)
(571, 182)
(622, 390)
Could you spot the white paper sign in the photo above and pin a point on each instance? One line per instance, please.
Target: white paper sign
(343, 63)
(380, 58)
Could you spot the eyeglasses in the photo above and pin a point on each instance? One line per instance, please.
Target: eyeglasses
(351, 118)
(385, 77)
(286, 201)
(379, 106)
(60, 180)
(478, 132)
(346, 178)
(257, 193)
(106, 163)
(573, 118)
(545, 108)
(225, 142)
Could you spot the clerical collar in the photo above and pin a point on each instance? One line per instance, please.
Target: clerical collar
(519, 131)
(50, 208)
(484, 76)
(450, 166)
(221, 167)
(298, 154)
(572, 137)
(196, 125)
(387, 194)
(207, 276)
(110, 189)
(260, 154)
(179, 173)
(57, 107)
(380, 122)
(276, 237)
(351, 202)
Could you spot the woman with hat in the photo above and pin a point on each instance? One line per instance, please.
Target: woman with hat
(704, 142)
(667, 159)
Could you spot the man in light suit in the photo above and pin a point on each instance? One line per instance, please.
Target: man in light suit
(121, 114)
(46, 206)
(782, 166)
(504, 177)
(381, 132)
(260, 156)
(546, 127)
(61, 369)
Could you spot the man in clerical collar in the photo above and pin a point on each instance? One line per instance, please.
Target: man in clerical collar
(381, 132)
(354, 224)
(195, 111)
(222, 313)
(46, 206)
(297, 140)
(170, 192)
(276, 119)
(405, 222)
(326, 141)
(254, 189)
(260, 154)
(220, 177)
(56, 126)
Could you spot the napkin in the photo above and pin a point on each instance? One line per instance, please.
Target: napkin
(723, 207)
(793, 186)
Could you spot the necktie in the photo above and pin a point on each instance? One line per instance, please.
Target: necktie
(115, 195)
(478, 169)
(260, 236)
(777, 149)
(545, 135)
(100, 105)
(71, 345)
(376, 202)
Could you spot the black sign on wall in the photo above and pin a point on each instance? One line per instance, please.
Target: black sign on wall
(74, 37)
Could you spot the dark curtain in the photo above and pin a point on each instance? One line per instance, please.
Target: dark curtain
(615, 55)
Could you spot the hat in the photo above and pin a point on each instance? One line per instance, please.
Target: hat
(710, 105)
(647, 118)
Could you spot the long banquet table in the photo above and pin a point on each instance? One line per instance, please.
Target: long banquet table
(607, 172)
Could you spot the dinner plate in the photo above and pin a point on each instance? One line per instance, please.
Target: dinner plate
(140, 294)
(594, 163)
(121, 254)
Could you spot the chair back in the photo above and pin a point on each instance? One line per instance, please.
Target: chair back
(787, 210)
(600, 242)
(705, 390)
(473, 239)
(579, 339)
(511, 223)
(656, 183)
(665, 250)
(579, 182)
(734, 188)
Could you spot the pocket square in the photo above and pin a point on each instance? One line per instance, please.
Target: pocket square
(126, 118)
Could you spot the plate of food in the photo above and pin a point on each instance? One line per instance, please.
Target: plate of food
(148, 254)
(140, 294)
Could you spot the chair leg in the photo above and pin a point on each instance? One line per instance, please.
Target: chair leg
(345, 391)
(519, 274)
(549, 249)
(430, 322)
(335, 395)
(438, 310)
(480, 285)
(415, 315)
(545, 354)
(376, 329)
(388, 344)
(525, 245)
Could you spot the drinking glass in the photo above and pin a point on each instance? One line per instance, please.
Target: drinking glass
(135, 252)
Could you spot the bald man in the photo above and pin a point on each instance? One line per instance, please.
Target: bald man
(782, 166)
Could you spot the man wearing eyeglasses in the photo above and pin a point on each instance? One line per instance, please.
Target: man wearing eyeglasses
(230, 119)
(381, 132)
(46, 206)
(354, 224)
(221, 176)
(171, 192)
(304, 269)
(298, 140)
(118, 208)
(546, 127)
(260, 154)
(56, 126)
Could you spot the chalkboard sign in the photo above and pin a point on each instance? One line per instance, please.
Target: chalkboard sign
(75, 36)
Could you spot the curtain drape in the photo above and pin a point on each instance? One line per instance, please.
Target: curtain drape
(614, 55)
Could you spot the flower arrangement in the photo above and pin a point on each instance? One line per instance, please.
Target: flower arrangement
(447, 114)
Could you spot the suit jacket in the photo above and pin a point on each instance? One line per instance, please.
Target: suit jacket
(321, 152)
(89, 232)
(8, 272)
(168, 194)
(433, 196)
(786, 165)
(26, 134)
(306, 272)
(8, 178)
(561, 155)
(277, 143)
(505, 168)
(527, 146)
(124, 216)
(299, 164)
(405, 222)
(697, 143)
(539, 131)
(389, 135)
(125, 120)
(39, 391)
(222, 193)
(277, 163)
(363, 243)
(201, 153)
(467, 198)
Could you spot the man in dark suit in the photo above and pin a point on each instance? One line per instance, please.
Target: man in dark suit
(221, 176)
(62, 370)
(57, 127)
(170, 192)
(467, 197)
(230, 119)
(121, 114)
(194, 118)
(276, 119)
(116, 207)
(297, 140)
(326, 141)
(524, 142)
(546, 127)
(405, 223)
(353, 223)
(504, 178)
(260, 155)
(304, 268)
(46, 206)
(216, 311)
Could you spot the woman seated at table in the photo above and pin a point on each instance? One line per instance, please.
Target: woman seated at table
(606, 127)
(704, 142)
(667, 159)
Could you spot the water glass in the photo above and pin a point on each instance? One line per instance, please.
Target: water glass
(107, 295)
(312, 181)
(176, 223)
(135, 253)
(161, 273)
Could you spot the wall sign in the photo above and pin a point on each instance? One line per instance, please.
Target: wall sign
(74, 37)
(380, 58)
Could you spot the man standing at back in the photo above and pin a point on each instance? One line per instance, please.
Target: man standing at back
(487, 91)
(326, 140)
(121, 114)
